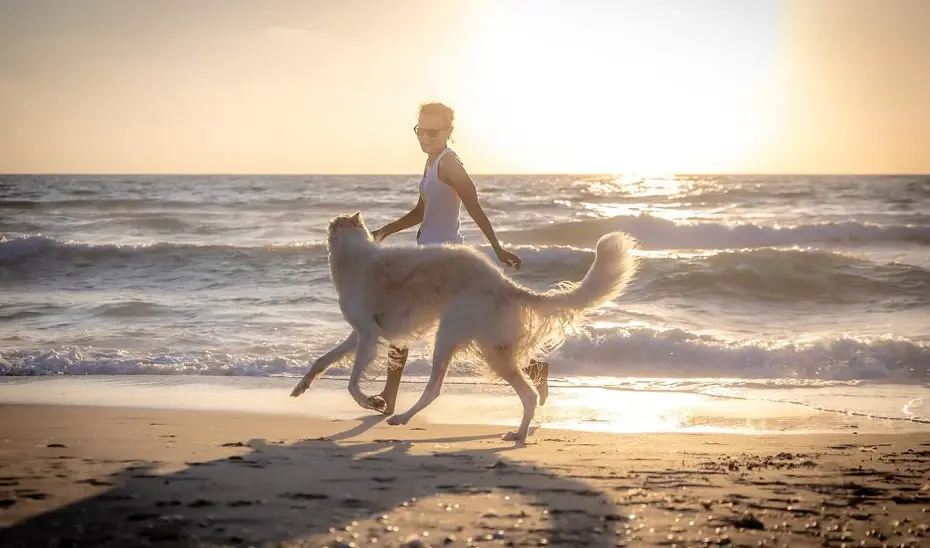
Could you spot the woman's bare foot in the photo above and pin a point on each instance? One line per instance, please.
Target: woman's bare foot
(539, 373)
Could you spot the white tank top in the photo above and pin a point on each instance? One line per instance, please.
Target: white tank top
(443, 206)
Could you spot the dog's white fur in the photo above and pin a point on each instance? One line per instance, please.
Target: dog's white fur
(401, 294)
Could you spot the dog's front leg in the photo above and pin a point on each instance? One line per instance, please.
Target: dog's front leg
(344, 348)
(364, 355)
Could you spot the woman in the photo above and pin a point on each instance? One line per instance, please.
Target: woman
(444, 188)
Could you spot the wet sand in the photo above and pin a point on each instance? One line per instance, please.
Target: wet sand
(85, 476)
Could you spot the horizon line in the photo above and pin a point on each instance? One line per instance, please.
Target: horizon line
(479, 174)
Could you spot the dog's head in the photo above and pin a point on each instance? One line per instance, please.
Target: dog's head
(348, 226)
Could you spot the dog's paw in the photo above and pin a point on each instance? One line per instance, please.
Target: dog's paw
(376, 403)
(514, 436)
(397, 420)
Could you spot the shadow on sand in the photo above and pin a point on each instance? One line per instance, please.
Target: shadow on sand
(334, 491)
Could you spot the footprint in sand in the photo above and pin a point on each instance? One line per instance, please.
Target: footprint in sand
(303, 496)
(201, 503)
(96, 482)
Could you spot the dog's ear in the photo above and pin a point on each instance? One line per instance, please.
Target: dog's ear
(356, 219)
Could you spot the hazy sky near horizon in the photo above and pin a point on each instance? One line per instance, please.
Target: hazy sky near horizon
(332, 86)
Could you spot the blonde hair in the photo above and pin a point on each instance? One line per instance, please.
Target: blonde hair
(438, 109)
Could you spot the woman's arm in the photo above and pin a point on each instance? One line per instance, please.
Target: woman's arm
(412, 218)
(452, 173)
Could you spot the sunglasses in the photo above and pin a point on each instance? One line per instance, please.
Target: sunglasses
(429, 132)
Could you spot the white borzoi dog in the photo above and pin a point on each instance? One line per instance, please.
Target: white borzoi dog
(400, 294)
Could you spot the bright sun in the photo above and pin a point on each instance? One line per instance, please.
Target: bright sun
(598, 93)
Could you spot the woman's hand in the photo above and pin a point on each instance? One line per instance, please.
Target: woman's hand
(413, 218)
(379, 235)
(508, 258)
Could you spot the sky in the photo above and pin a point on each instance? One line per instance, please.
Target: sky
(538, 86)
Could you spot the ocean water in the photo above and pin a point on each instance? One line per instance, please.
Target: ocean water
(810, 291)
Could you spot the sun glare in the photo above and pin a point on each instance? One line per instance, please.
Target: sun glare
(549, 93)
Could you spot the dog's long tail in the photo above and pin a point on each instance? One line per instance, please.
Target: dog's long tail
(613, 269)
(548, 317)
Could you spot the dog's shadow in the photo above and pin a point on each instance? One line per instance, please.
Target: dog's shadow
(280, 494)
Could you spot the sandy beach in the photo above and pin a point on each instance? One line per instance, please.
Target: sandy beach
(86, 476)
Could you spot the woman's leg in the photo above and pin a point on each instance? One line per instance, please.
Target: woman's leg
(538, 372)
(397, 360)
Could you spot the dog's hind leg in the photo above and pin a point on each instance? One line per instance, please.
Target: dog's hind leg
(342, 350)
(447, 342)
(364, 355)
(504, 365)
